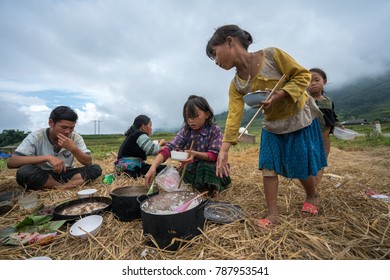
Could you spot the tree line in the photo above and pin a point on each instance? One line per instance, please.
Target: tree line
(12, 137)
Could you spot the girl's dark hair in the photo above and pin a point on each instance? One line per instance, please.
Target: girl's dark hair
(221, 33)
(189, 109)
(320, 72)
(63, 113)
(138, 122)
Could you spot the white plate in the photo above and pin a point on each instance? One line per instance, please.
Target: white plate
(86, 193)
(43, 258)
(382, 197)
(90, 224)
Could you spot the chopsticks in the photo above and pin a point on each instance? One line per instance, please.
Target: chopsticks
(185, 165)
(261, 107)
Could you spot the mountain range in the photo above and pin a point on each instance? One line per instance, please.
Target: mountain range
(367, 98)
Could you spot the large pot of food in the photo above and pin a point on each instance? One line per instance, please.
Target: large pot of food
(79, 208)
(163, 223)
(125, 205)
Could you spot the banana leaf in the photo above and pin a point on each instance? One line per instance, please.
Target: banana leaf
(41, 225)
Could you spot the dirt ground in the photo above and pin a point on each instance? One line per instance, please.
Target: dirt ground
(350, 224)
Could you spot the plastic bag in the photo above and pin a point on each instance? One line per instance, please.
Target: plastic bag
(168, 179)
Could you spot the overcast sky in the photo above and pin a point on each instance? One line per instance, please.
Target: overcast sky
(113, 60)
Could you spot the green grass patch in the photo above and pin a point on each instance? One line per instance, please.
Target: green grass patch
(102, 146)
(3, 164)
(360, 142)
(368, 128)
(363, 142)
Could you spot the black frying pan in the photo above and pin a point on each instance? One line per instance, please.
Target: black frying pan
(57, 213)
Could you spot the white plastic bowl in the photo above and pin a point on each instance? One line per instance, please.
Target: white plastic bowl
(86, 193)
(253, 99)
(90, 224)
(180, 156)
(345, 134)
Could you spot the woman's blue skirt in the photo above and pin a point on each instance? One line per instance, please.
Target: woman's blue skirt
(297, 155)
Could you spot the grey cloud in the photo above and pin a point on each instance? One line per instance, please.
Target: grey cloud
(146, 57)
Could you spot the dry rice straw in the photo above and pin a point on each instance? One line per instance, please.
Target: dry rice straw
(350, 226)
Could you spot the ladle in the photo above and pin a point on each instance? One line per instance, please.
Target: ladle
(183, 207)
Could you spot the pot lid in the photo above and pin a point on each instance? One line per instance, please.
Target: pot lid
(223, 212)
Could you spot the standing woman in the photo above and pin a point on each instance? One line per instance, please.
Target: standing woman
(136, 147)
(291, 141)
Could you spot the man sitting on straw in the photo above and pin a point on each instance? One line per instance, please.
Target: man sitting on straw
(45, 158)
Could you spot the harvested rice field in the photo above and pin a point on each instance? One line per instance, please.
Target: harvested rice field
(350, 226)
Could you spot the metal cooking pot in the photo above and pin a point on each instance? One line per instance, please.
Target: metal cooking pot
(164, 227)
(125, 205)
